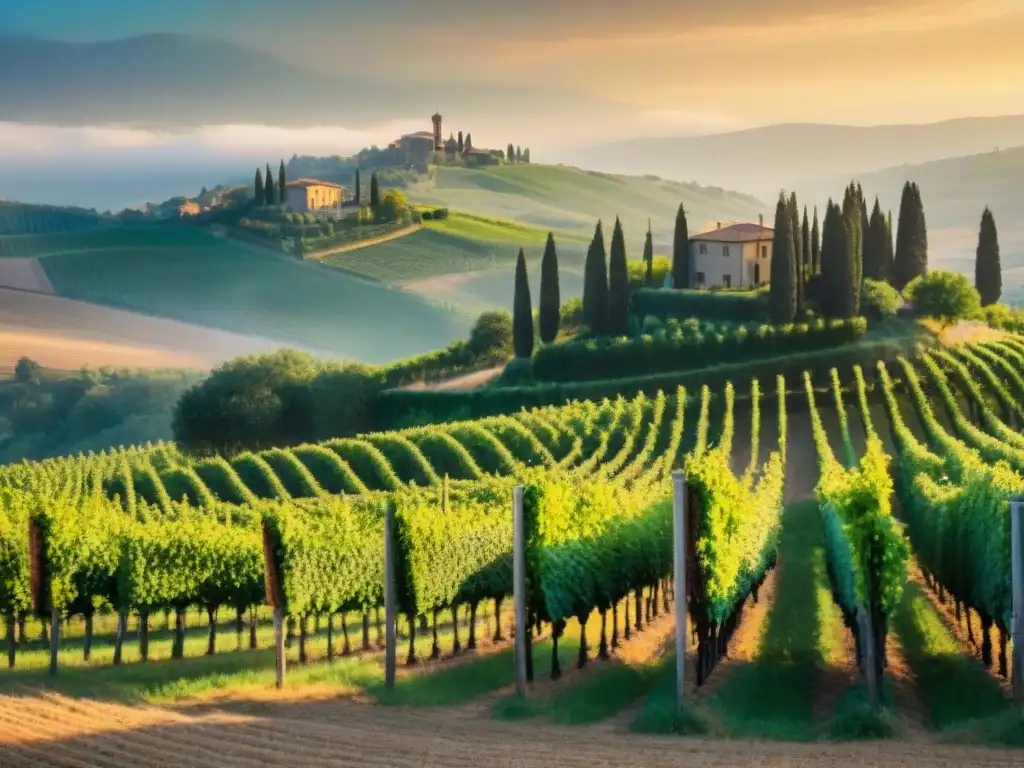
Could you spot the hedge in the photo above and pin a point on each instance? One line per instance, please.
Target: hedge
(662, 353)
(401, 407)
(738, 306)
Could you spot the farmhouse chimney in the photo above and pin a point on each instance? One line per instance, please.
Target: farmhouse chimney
(760, 219)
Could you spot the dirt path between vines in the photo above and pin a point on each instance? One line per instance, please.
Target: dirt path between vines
(360, 244)
(58, 731)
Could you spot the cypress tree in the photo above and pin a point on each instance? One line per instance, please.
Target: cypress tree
(469, 141)
(911, 239)
(510, 153)
(815, 245)
(876, 264)
(649, 257)
(851, 212)
(837, 267)
(783, 293)
(681, 251)
(462, 143)
(805, 244)
(988, 275)
(618, 283)
(798, 259)
(374, 191)
(268, 187)
(522, 311)
(888, 254)
(282, 184)
(258, 184)
(526, 155)
(595, 285)
(550, 298)
(519, 155)
(359, 191)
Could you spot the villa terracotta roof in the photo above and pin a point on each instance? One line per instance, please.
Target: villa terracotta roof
(737, 233)
(312, 183)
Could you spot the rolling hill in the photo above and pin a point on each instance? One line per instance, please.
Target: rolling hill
(572, 200)
(763, 160)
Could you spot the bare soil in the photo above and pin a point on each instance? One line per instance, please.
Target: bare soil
(24, 275)
(461, 383)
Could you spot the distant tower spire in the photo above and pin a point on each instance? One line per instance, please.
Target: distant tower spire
(438, 143)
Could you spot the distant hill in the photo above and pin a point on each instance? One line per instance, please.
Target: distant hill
(572, 200)
(185, 80)
(763, 160)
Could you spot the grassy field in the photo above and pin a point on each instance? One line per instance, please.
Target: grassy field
(570, 199)
(189, 275)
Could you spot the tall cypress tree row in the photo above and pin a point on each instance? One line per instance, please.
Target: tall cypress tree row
(359, 190)
(374, 191)
(876, 260)
(649, 257)
(988, 274)
(258, 196)
(837, 266)
(618, 283)
(550, 296)
(865, 222)
(888, 254)
(510, 153)
(815, 245)
(282, 184)
(783, 291)
(681, 251)
(595, 285)
(268, 188)
(911, 239)
(522, 311)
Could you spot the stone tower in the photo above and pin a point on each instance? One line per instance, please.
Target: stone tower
(438, 144)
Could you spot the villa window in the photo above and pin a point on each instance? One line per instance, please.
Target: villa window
(764, 251)
(702, 249)
(726, 251)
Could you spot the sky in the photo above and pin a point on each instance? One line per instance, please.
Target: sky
(694, 66)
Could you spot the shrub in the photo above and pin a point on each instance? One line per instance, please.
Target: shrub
(518, 371)
(946, 296)
(571, 315)
(492, 335)
(681, 350)
(737, 306)
(879, 300)
(1004, 318)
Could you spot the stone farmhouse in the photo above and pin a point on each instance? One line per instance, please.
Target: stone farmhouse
(313, 195)
(732, 256)
(422, 147)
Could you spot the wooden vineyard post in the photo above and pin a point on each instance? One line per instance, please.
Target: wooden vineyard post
(276, 601)
(519, 587)
(1017, 576)
(390, 609)
(679, 572)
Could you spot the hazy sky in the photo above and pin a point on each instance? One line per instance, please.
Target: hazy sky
(694, 66)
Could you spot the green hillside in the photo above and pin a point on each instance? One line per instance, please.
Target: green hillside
(570, 199)
(187, 274)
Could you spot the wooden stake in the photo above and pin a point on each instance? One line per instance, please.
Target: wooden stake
(1017, 571)
(279, 646)
(519, 587)
(679, 566)
(54, 639)
(390, 608)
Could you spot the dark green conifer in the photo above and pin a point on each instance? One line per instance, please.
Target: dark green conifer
(681, 251)
(374, 191)
(911, 239)
(805, 245)
(268, 188)
(258, 195)
(815, 245)
(359, 191)
(595, 285)
(618, 283)
(522, 311)
(550, 297)
(838, 294)
(783, 291)
(649, 257)
(988, 274)
(282, 184)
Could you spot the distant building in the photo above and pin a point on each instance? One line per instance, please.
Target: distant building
(733, 256)
(421, 148)
(308, 195)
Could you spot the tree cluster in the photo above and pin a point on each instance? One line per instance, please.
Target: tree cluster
(266, 193)
(516, 154)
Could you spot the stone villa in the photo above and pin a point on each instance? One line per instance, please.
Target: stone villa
(733, 256)
(423, 147)
(308, 195)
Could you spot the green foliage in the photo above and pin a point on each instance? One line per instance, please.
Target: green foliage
(911, 259)
(522, 312)
(595, 285)
(879, 300)
(550, 297)
(740, 306)
(618, 283)
(988, 274)
(1004, 318)
(784, 292)
(946, 296)
(677, 351)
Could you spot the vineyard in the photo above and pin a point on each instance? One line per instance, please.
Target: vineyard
(858, 522)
